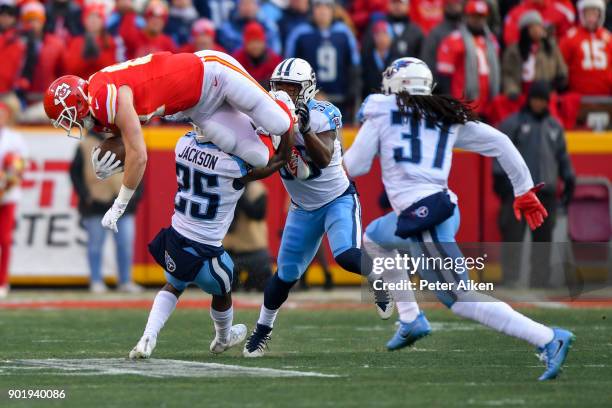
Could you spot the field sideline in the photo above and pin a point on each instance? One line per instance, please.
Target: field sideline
(321, 354)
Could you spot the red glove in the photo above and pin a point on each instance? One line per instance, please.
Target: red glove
(529, 205)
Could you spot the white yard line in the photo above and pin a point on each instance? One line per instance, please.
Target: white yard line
(157, 368)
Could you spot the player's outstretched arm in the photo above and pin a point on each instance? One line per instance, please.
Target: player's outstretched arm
(135, 156)
(358, 159)
(135, 148)
(320, 146)
(488, 141)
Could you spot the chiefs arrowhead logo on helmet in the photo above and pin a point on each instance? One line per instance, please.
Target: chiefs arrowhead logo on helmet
(61, 93)
(66, 104)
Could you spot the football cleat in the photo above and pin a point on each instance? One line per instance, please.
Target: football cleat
(383, 301)
(257, 342)
(237, 335)
(555, 353)
(143, 348)
(408, 333)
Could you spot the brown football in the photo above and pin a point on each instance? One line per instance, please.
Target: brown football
(115, 145)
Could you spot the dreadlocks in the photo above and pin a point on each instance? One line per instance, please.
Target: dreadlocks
(443, 110)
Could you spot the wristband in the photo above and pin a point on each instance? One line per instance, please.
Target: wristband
(125, 194)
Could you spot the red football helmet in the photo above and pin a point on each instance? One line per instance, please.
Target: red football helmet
(67, 106)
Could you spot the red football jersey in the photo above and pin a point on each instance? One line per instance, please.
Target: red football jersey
(557, 13)
(451, 61)
(588, 56)
(427, 13)
(162, 84)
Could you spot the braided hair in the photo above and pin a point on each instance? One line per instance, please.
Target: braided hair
(442, 110)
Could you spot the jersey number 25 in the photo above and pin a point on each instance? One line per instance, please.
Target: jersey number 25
(193, 183)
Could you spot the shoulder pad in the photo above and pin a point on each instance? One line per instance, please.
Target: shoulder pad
(375, 105)
(329, 111)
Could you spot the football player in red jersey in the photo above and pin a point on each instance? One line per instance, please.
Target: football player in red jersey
(123, 96)
(587, 50)
(466, 71)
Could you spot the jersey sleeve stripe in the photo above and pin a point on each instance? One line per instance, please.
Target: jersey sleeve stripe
(111, 102)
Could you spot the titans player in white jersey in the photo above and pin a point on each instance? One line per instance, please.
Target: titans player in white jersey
(210, 182)
(323, 200)
(413, 132)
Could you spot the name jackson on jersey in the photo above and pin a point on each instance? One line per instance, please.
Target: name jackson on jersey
(198, 157)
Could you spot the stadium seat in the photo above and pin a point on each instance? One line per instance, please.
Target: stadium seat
(590, 220)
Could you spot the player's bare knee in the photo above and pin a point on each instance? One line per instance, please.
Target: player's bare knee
(221, 303)
(169, 288)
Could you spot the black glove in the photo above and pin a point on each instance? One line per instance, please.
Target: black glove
(568, 191)
(90, 50)
(303, 114)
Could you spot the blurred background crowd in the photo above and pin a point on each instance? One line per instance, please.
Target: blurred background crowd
(488, 51)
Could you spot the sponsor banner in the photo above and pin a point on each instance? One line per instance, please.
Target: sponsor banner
(48, 239)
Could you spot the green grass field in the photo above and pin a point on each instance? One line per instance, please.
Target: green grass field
(460, 364)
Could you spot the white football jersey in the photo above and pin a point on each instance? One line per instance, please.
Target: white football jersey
(207, 190)
(323, 185)
(416, 156)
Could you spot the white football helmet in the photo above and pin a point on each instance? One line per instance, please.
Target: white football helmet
(409, 75)
(296, 71)
(598, 4)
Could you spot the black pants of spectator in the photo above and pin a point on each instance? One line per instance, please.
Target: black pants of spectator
(513, 231)
(257, 266)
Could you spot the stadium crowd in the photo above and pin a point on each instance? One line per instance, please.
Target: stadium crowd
(488, 51)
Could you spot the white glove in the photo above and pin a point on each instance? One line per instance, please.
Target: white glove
(297, 166)
(107, 165)
(109, 221)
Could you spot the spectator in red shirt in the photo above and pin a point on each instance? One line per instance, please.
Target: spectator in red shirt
(362, 11)
(126, 23)
(96, 49)
(558, 15)
(255, 56)
(12, 50)
(426, 13)
(587, 50)
(152, 37)
(43, 61)
(468, 61)
(453, 14)
(203, 37)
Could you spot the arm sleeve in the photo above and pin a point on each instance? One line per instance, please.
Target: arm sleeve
(481, 138)
(358, 159)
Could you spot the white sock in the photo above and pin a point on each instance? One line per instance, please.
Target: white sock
(501, 317)
(162, 308)
(267, 316)
(408, 311)
(222, 322)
